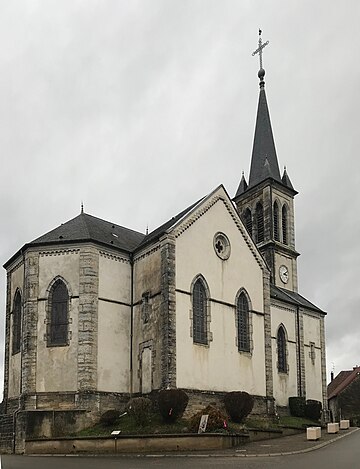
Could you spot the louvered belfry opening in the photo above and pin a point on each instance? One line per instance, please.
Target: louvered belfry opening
(276, 222)
(259, 223)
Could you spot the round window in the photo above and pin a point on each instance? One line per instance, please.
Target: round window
(222, 246)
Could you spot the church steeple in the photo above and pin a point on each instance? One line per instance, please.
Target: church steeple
(266, 203)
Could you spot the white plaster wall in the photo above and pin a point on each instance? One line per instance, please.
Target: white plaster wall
(114, 278)
(113, 347)
(285, 384)
(56, 368)
(313, 374)
(17, 282)
(219, 366)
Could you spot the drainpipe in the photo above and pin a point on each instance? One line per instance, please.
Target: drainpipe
(299, 349)
(131, 320)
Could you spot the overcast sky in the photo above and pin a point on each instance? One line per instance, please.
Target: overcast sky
(141, 107)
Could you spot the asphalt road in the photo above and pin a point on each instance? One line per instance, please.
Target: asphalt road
(344, 454)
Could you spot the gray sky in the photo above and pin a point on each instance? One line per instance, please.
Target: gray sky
(141, 107)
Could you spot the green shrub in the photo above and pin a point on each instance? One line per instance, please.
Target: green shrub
(297, 406)
(109, 417)
(139, 408)
(313, 409)
(238, 405)
(172, 404)
(216, 419)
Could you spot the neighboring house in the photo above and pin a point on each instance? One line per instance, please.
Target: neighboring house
(208, 302)
(344, 396)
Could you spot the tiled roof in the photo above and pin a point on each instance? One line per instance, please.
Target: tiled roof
(292, 297)
(342, 381)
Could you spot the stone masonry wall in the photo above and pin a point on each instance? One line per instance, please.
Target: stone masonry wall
(88, 322)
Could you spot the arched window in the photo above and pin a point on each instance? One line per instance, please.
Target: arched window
(243, 329)
(276, 221)
(248, 220)
(16, 326)
(58, 308)
(281, 350)
(199, 313)
(259, 223)
(284, 224)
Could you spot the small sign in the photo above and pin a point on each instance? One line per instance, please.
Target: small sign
(203, 423)
(116, 432)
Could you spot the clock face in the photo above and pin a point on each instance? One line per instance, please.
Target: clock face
(284, 274)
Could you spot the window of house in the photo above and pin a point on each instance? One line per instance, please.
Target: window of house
(16, 329)
(259, 223)
(276, 222)
(58, 308)
(281, 350)
(199, 305)
(248, 220)
(285, 224)
(243, 323)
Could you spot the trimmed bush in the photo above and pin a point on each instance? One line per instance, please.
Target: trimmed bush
(172, 404)
(297, 406)
(109, 417)
(216, 419)
(313, 409)
(139, 408)
(238, 405)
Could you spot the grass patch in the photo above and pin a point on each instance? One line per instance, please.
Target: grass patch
(297, 422)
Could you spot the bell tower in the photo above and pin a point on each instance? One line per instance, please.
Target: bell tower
(266, 203)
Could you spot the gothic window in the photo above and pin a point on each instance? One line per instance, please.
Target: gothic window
(276, 221)
(259, 223)
(285, 224)
(16, 326)
(281, 350)
(58, 318)
(248, 220)
(199, 313)
(243, 329)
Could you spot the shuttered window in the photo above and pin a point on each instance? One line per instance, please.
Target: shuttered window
(281, 350)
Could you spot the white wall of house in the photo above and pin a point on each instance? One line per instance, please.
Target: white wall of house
(312, 364)
(56, 367)
(17, 282)
(285, 384)
(218, 366)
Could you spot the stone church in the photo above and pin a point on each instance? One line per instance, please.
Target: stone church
(208, 302)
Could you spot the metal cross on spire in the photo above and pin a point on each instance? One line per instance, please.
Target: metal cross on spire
(260, 48)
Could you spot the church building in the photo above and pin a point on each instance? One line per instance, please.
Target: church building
(208, 302)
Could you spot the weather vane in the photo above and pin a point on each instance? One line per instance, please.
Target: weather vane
(260, 48)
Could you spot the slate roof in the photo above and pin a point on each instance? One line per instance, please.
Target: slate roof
(342, 381)
(294, 298)
(264, 161)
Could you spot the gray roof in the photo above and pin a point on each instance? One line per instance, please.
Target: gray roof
(292, 297)
(264, 161)
(242, 186)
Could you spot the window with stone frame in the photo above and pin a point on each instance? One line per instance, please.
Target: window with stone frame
(58, 321)
(281, 350)
(284, 224)
(199, 313)
(247, 217)
(243, 323)
(16, 325)
(276, 221)
(259, 223)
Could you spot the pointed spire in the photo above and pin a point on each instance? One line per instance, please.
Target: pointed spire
(264, 152)
(286, 180)
(242, 186)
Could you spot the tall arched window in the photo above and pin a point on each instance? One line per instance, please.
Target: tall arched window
(16, 326)
(276, 221)
(58, 321)
(259, 223)
(281, 350)
(248, 220)
(199, 313)
(243, 329)
(284, 224)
